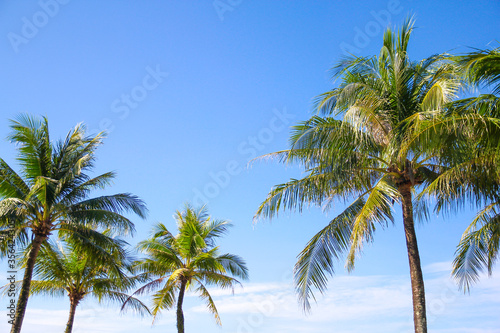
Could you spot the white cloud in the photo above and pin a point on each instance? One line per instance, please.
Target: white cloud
(438, 267)
(365, 303)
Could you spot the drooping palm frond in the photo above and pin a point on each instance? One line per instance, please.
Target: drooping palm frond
(316, 260)
(478, 248)
(164, 298)
(136, 305)
(375, 210)
(204, 294)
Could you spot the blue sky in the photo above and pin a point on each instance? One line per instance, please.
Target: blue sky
(189, 92)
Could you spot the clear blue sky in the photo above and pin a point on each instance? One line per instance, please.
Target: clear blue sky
(189, 92)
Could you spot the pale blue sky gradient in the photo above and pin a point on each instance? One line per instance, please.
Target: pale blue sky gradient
(189, 92)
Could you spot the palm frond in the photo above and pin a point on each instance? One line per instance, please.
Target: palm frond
(204, 294)
(478, 248)
(316, 260)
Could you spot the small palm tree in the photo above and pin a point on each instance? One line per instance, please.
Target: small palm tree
(51, 194)
(188, 261)
(60, 269)
(368, 154)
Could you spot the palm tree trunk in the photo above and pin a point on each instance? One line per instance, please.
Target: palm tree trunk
(22, 302)
(180, 315)
(417, 280)
(72, 310)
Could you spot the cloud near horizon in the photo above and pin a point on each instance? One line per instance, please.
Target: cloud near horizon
(356, 303)
(375, 303)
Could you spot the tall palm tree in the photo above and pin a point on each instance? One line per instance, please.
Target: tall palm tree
(368, 155)
(51, 194)
(60, 269)
(188, 261)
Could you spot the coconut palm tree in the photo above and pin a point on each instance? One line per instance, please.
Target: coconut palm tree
(61, 270)
(188, 261)
(367, 154)
(51, 194)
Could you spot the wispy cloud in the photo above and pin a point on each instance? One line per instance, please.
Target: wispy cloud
(438, 267)
(361, 303)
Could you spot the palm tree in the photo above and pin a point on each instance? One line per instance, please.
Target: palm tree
(51, 194)
(60, 269)
(188, 261)
(368, 155)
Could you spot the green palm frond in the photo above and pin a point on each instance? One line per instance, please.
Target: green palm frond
(11, 185)
(118, 203)
(234, 265)
(377, 209)
(101, 247)
(48, 288)
(218, 279)
(478, 248)
(315, 261)
(161, 231)
(204, 294)
(482, 68)
(136, 305)
(32, 135)
(71, 194)
(164, 298)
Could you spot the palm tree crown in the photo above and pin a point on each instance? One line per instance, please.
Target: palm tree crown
(188, 261)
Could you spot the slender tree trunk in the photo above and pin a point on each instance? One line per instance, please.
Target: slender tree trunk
(180, 315)
(417, 280)
(72, 310)
(22, 302)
